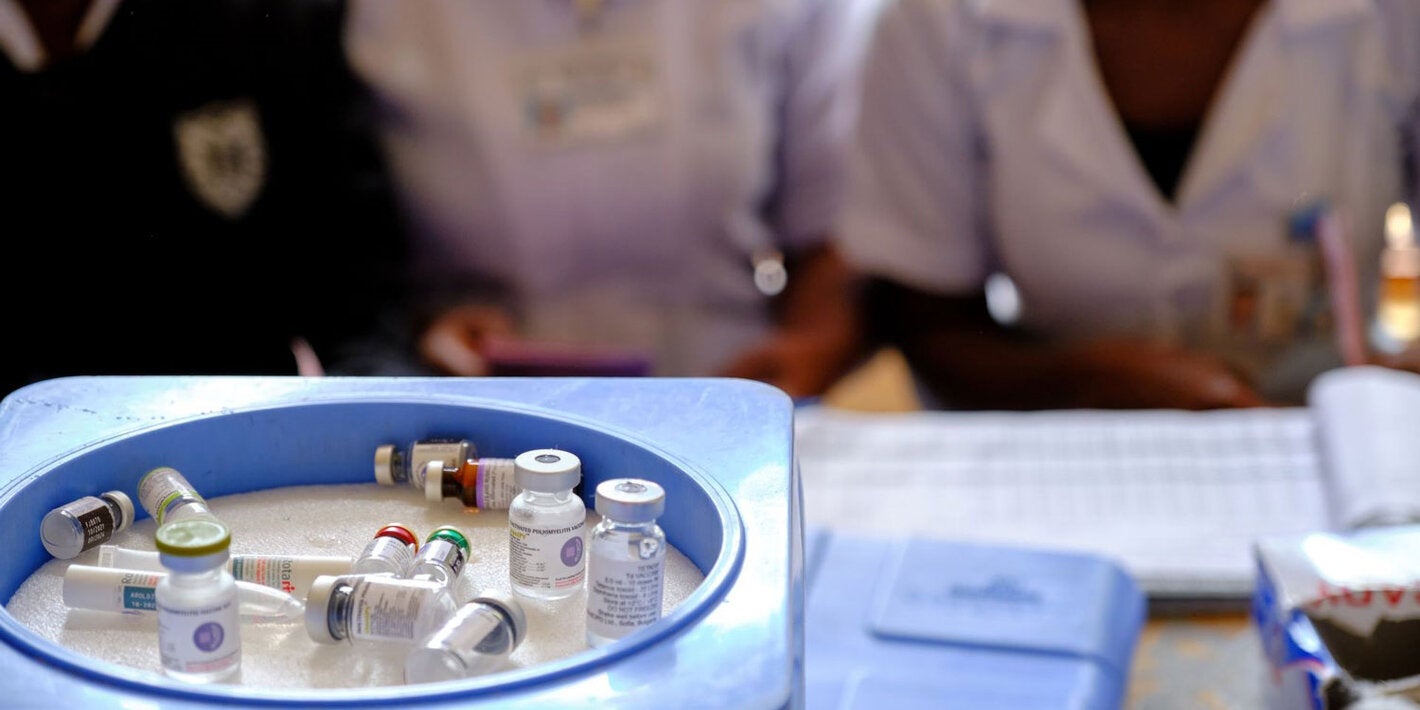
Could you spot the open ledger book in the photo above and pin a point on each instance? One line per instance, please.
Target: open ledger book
(1177, 497)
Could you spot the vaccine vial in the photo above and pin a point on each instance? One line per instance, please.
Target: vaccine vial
(390, 552)
(545, 526)
(626, 569)
(77, 526)
(199, 637)
(442, 558)
(289, 573)
(167, 496)
(370, 609)
(1397, 323)
(134, 591)
(479, 483)
(477, 639)
(394, 467)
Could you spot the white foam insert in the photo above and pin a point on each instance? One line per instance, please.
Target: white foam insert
(321, 520)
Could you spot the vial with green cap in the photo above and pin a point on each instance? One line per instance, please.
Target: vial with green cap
(376, 608)
(545, 526)
(626, 569)
(199, 634)
(390, 552)
(477, 639)
(442, 557)
(167, 496)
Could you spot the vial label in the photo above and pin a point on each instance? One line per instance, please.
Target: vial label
(138, 592)
(200, 641)
(546, 558)
(496, 484)
(623, 595)
(380, 613)
(450, 451)
(95, 518)
(271, 571)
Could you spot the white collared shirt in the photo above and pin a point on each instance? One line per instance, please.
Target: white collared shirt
(21, 45)
(988, 142)
(638, 237)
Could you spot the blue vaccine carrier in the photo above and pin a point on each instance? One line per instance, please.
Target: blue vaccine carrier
(722, 449)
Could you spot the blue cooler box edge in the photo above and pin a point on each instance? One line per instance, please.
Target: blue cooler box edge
(723, 449)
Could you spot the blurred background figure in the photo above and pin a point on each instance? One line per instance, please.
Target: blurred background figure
(621, 186)
(1113, 203)
(193, 190)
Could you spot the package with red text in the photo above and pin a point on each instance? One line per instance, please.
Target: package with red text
(1339, 616)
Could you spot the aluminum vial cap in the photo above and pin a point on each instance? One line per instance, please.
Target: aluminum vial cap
(547, 470)
(510, 606)
(317, 611)
(401, 533)
(434, 481)
(450, 533)
(384, 465)
(631, 500)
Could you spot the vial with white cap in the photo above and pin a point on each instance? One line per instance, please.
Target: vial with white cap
(396, 467)
(390, 552)
(545, 526)
(376, 608)
(199, 637)
(77, 526)
(477, 639)
(626, 569)
(443, 556)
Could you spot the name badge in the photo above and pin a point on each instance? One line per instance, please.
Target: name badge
(597, 90)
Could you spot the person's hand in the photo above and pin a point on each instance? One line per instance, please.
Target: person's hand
(1131, 374)
(453, 342)
(801, 364)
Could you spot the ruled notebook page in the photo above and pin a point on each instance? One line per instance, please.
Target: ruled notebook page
(1177, 497)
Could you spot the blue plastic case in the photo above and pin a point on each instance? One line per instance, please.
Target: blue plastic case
(921, 623)
(722, 449)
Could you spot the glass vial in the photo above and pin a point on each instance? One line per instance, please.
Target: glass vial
(390, 552)
(477, 639)
(289, 573)
(545, 526)
(376, 609)
(479, 483)
(167, 496)
(77, 526)
(626, 569)
(133, 591)
(442, 558)
(199, 637)
(1397, 325)
(394, 467)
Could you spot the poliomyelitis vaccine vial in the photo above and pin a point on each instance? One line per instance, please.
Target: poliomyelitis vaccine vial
(443, 556)
(199, 637)
(477, 639)
(134, 591)
(167, 496)
(77, 526)
(390, 552)
(289, 573)
(546, 557)
(626, 569)
(394, 467)
(377, 608)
